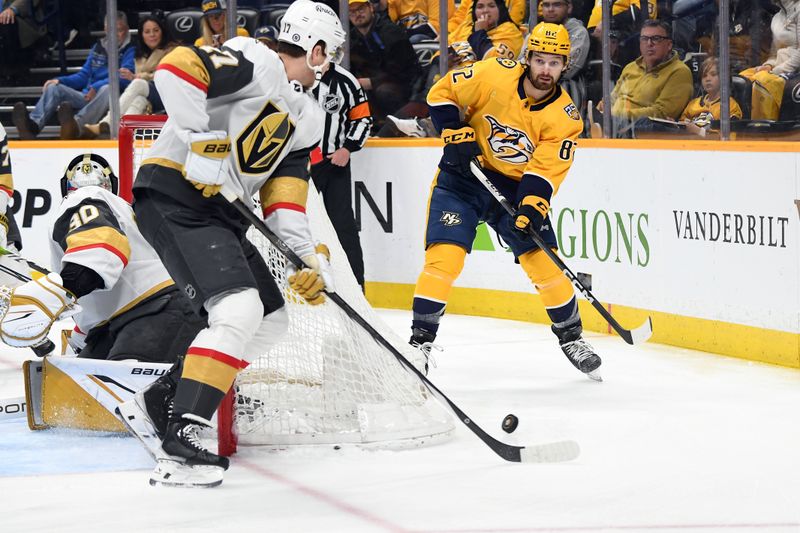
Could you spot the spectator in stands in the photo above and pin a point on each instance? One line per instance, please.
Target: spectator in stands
(85, 90)
(461, 21)
(657, 84)
(626, 16)
(153, 44)
(558, 12)
(491, 34)
(420, 18)
(19, 32)
(215, 24)
(267, 35)
(769, 79)
(702, 110)
(382, 59)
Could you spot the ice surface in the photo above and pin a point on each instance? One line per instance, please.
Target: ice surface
(672, 440)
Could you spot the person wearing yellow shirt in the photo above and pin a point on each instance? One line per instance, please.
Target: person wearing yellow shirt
(491, 34)
(657, 84)
(517, 9)
(215, 25)
(702, 110)
(420, 18)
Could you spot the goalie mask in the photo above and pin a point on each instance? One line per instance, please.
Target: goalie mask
(88, 169)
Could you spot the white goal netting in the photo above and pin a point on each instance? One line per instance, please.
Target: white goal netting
(329, 381)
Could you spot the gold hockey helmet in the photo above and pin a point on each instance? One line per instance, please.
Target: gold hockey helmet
(549, 38)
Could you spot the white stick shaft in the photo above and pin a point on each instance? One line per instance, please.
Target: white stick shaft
(12, 408)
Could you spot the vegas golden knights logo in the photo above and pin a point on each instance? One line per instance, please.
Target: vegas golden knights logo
(263, 140)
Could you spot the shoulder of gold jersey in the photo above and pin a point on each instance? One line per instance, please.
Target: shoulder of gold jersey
(564, 117)
(185, 63)
(499, 69)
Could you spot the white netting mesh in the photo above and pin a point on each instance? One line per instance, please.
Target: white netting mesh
(328, 382)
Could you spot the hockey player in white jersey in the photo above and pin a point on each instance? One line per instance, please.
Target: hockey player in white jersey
(240, 118)
(106, 276)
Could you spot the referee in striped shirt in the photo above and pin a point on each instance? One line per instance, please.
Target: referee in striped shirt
(347, 125)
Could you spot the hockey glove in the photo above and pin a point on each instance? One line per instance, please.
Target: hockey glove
(460, 147)
(531, 213)
(207, 163)
(310, 281)
(32, 309)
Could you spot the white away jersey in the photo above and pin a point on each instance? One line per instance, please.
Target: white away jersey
(242, 89)
(96, 229)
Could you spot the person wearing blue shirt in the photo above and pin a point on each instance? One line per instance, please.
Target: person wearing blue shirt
(84, 92)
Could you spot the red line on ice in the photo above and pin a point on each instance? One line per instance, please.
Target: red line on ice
(326, 498)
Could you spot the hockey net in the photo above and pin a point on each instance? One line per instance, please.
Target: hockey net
(328, 382)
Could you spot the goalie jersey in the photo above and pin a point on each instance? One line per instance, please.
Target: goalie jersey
(242, 89)
(95, 228)
(532, 142)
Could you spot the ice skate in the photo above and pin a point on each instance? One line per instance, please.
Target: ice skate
(147, 414)
(423, 341)
(185, 461)
(579, 352)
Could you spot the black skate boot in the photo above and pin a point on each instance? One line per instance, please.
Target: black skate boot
(147, 414)
(579, 352)
(422, 340)
(186, 462)
(157, 398)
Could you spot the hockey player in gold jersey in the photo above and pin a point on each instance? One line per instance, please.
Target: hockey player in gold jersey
(523, 128)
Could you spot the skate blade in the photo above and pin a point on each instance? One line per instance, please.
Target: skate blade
(170, 473)
(138, 425)
(594, 375)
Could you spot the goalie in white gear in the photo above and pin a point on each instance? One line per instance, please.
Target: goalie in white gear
(240, 119)
(128, 306)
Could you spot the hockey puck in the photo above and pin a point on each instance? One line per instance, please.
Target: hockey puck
(510, 423)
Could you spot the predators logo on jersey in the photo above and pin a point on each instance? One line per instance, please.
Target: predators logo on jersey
(508, 144)
(263, 139)
(572, 112)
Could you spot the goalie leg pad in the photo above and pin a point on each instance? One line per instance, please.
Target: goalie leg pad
(32, 309)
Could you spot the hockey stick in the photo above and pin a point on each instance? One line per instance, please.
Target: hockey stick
(12, 408)
(31, 264)
(634, 336)
(540, 453)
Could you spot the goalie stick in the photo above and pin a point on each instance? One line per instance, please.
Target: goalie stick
(539, 453)
(634, 336)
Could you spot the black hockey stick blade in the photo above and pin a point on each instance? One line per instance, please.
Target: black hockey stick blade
(635, 336)
(540, 453)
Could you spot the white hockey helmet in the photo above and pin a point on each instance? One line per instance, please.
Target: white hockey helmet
(88, 169)
(306, 23)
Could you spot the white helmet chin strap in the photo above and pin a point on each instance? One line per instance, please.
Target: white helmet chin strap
(318, 70)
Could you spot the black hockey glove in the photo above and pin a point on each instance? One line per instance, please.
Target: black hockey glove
(531, 213)
(460, 147)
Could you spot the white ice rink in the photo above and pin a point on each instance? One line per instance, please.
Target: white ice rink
(673, 440)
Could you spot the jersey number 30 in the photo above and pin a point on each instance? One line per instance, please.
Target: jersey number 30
(85, 214)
